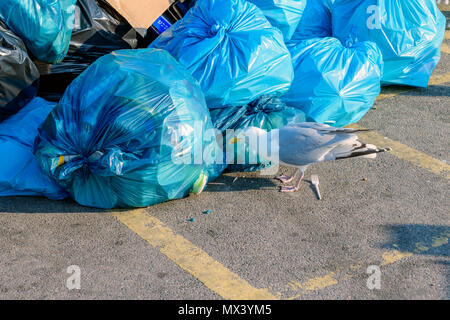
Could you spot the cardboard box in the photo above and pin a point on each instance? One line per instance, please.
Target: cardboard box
(140, 13)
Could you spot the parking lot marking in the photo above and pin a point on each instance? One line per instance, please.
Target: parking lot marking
(190, 258)
(445, 48)
(320, 282)
(392, 91)
(404, 152)
(440, 79)
(387, 258)
(393, 256)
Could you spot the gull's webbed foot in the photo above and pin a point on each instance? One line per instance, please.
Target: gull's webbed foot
(289, 189)
(286, 179)
(293, 188)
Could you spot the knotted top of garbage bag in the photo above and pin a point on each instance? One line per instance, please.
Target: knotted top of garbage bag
(231, 49)
(267, 112)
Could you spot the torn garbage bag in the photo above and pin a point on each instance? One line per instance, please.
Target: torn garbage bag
(315, 21)
(232, 50)
(20, 173)
(98, 30)
(268, 113)
(334, 84)
(130, 131)
(44, 25)
(19, 77)
(408, 33)
(283, 14)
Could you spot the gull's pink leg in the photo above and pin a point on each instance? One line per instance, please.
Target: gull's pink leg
(297, 185)
(286, 179)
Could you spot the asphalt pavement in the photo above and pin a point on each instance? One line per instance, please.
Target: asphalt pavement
(389, 213)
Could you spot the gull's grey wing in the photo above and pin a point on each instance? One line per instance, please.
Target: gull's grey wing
(304, 144)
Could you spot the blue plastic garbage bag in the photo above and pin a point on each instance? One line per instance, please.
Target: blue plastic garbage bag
(44, 25)
(19, 77)
(409, 34)
(283, 14)
(130, 131)
(334, 84)
(267, 112)
(315, 21)
(20, 174)
(232, 50)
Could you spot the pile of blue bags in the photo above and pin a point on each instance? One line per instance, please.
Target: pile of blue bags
(235, 54)
(139, 126)
(343, 50)
(232, 50)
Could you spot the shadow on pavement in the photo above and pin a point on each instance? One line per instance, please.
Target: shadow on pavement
(36, 205)
(236, 182)
(431, 91)
(420, 239)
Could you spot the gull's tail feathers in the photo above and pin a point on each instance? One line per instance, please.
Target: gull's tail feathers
(368, 151)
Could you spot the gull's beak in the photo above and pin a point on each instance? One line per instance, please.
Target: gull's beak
(234, 140)
(60, 161)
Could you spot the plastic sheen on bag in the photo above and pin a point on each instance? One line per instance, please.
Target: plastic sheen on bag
(19, 78)
(98, 30)
(44, 25)
(408, 33)
(127, 131)
(21, 174)
(267, 112)
(283, 14)
(315, 21)
(334, 84)
(232, 50)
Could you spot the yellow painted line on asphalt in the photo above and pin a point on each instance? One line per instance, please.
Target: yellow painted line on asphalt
(392, 91)
(393, 256)
(314, 283)
(439, 241)
(445, 48)
(320, 282)
(440, 79)
(388, 258)
(406, 153)
(190, 258)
